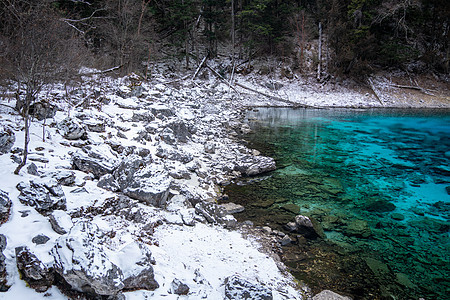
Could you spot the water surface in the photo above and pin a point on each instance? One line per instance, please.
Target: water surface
(377, 182)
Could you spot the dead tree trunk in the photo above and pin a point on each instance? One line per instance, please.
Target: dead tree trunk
(319, 55)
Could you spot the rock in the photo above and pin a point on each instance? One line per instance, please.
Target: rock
(238, 288)
(378, 268)
(44, 195)
(179, 288)
(7, 139)
(40, 239)
(145, 116)
(210, 147)
(306, 226)
(5, 206)
(215, 214)
(94, 125)
(32, 169)
(232, 208)
(447, 189)
(33, 271)
(253, 165)
(171, 153)
(108, 182)
(71, 129)
(380, 206)
(179, 129)
(137, 267)
(95, 166)
(286, 240)
(358, 228)
(329, 295)
(3, 275)
(83, 263)
(60, 221)
(66, 178)
(293, 208)
(42, 110)
(403, 279)
(161, 111)
(148, 183)
(397, 216)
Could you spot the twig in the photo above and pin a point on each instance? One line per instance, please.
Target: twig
(412, 88)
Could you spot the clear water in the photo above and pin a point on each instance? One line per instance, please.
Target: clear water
(377, 181)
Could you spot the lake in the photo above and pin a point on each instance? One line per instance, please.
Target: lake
(376, 181)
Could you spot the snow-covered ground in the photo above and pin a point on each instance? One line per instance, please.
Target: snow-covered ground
(182, 133)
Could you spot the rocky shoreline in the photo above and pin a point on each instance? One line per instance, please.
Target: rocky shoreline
(119, 196)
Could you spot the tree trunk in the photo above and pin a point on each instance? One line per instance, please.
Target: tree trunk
(319, 55)
(26, 115)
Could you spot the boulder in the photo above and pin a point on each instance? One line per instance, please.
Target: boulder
(32, 169)
(108, 182)
(238, 288)
(306, 226)
(167, 152)
(329, 295)
(40, 239)
(7, 139)
(71, 129)
(136, 263)
(232, 208)
(94, 125)
(42, 110)
(180, 130)
(95, 166)
(60, 221)
(44, 195)
(179, 287)
(145, 116)
(81, 260)
(66, 178)
(161, 111)
(144, 181)
(5, 206)
(215, 214)
(33, 271)
(359, 228)
(253, 165)
(3, 282)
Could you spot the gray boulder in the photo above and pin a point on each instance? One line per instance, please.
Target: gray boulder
(179, 287)
(33, 271)
(180, 130)
(145, 116)
(95, 166)
(44, 195)
(43, 110)
(329, 295)
(60, 221)
(238, 288)
(144, 181)
(7, 139)
(71, 129)
(66, 178)
(215, 214)
(32, 169)
(253, 165)
(161, 111)
(83, 263)
(3, 282)
(167, 152)
(306, 226)
(94, 125)
(108, 182)
(5, 206)
(40, 239)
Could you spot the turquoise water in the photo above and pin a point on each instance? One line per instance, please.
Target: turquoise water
(377, 182)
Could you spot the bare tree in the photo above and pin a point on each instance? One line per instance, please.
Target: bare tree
(37, 48)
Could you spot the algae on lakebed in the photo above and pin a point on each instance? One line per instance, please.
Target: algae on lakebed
(378, 183)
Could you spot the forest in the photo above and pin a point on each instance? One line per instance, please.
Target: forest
(41, 39)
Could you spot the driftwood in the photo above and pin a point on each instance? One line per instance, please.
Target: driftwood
(221, 78)
(374, 90)
(412, 87)
(102, 72)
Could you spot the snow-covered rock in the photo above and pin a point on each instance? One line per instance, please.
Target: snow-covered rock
(60, 221)
(95, 166)
(83, 262)
(33, 271)
(7, 139)
(239, 288)
(71, 129)
(3, 281)
(45, 195)
(5, 206)
(253, 165)
(215, 214)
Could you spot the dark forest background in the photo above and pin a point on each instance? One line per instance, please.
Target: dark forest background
(44, 38)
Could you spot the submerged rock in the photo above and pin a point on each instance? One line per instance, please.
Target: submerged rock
(306, 226)
(44, 195)
(239, 288)
(33, 271)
